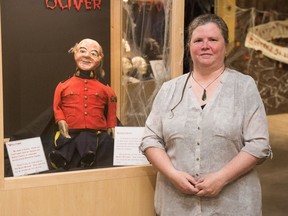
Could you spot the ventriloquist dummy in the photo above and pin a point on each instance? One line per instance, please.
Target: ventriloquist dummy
(85, 111)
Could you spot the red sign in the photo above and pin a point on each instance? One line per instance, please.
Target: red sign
(77, 4)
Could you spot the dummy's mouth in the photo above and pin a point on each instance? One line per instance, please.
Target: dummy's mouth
(86, 61)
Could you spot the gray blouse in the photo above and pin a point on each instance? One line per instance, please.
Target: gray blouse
(199, 141)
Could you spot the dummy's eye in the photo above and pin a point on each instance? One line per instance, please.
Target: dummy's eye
(82, 51)
(95, 53)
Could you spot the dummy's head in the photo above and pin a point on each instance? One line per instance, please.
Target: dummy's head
(88, 54)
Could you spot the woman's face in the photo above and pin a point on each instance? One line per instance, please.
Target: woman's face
(88, 55)
(207, 46)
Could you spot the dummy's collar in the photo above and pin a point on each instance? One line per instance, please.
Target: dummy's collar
(85, 74)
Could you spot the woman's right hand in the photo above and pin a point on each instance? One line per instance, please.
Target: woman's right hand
(184, 182)
(181, 180)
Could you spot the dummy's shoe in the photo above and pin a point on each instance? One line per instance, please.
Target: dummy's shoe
(88, 159)
(58, 161)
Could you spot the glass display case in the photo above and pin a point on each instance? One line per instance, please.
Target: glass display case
(46, 191)
(147, 47)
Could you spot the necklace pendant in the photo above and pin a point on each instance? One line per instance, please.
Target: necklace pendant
(204, 96)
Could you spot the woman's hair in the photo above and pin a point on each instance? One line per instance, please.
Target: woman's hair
(202, 20)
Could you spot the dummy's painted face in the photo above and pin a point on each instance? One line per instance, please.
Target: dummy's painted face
(88, 55)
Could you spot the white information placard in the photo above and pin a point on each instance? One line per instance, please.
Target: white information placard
(26, 156)
(158, 69)
(126, 146)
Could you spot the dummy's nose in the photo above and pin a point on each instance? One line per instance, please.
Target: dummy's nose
(87, 54)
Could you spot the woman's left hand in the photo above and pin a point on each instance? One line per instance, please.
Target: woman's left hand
(210, 185)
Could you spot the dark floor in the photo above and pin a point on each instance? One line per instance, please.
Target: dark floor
(274, 172)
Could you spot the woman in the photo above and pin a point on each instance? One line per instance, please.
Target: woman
(206, 132)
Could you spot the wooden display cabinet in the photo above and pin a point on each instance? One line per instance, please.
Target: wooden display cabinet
(111, 191)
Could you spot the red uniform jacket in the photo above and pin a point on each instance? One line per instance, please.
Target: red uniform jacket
(81, 103)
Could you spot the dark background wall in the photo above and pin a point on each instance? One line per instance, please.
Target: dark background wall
(35, 42)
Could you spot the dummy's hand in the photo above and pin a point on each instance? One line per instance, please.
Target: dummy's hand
(111, 131)
(184, 182)
(210, 185)
(63, 127)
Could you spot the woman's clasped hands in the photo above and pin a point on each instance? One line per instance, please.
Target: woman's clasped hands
(208, 185)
